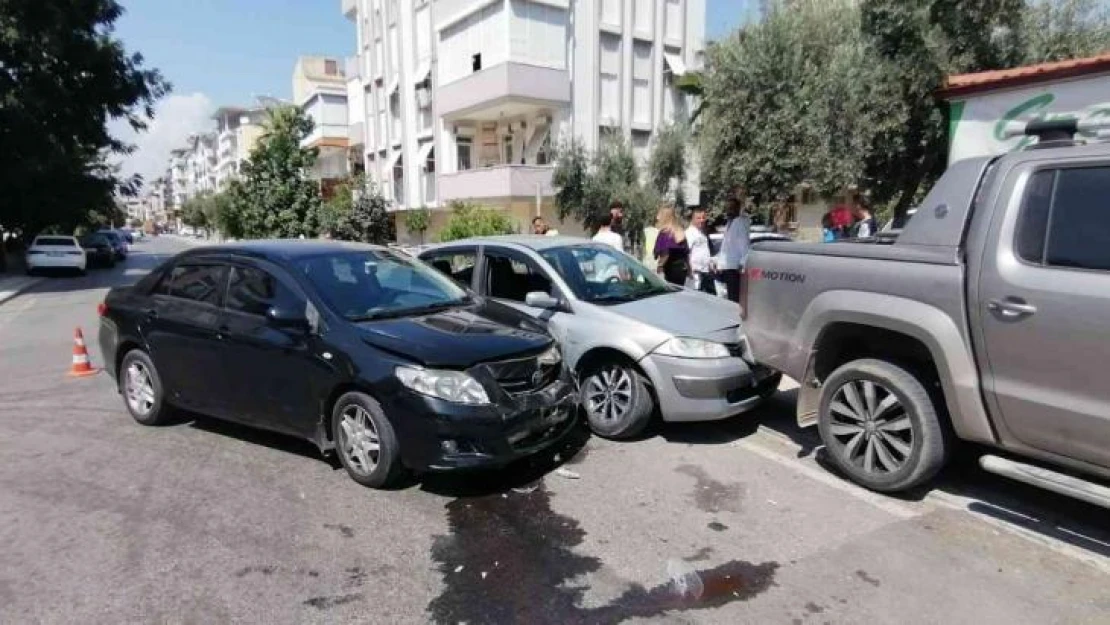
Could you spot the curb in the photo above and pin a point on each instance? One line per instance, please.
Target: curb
(7, 295)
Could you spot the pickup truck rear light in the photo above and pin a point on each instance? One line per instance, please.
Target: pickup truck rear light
(743, 293)
(101, 309)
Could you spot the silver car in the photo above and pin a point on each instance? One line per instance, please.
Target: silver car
(637, 344)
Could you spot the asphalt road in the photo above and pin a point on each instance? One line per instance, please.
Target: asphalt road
(105, 521)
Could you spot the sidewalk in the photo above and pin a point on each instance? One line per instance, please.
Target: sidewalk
(12, 285)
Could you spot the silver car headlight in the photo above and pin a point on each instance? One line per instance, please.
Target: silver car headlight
(551, 356)
(452, 386)
(682, 347)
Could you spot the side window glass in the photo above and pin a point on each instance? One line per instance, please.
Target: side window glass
(253, 291)
(1033, 218)
(512, 279)
(1079, 228)
(199, 283)
(459, 266)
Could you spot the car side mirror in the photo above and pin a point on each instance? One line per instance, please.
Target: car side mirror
(539, 299)
(288, 318)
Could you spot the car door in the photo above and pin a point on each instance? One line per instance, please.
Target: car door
(181, 329)
(276, 375)
(509, 275)
(1044, 307)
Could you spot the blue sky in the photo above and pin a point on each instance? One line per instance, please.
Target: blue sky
(225, 52)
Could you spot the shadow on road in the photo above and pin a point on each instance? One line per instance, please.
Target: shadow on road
(255, 436)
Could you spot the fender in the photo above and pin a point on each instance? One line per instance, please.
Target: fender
(951, 354)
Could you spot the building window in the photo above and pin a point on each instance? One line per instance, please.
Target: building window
(641, 82)
(673, 17)
(476, 62)
(464, 147)
(610, 101)
(543, 155)
(611, 12)
(395, 114)
(430, 177)
(399, 180)
(507, 149)
(331, 67)
(644, 15)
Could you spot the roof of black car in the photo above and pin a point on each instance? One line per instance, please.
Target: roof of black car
(283, 248)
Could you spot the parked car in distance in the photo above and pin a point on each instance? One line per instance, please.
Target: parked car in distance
(119, 245)
(126, 235)
(353, 347)
(636, 343)
(98, 250)
(55, 252)
(985, 320)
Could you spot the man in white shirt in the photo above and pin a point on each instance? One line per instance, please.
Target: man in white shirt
(700, 257)
(734, 248)
(606, 235)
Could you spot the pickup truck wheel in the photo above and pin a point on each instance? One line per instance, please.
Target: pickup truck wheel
(880, 426)
(616, 399)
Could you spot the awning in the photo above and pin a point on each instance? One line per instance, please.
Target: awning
(422, 71)
(425, 152)
(674, 61)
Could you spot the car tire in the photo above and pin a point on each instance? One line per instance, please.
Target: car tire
(146, 405)
(366, 421)
(616, 399)
(898, 426)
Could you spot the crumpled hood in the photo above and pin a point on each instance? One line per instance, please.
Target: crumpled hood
(687, 313)
(458, 338)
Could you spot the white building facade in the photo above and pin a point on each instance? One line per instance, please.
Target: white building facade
(464, 99)
(237, 131)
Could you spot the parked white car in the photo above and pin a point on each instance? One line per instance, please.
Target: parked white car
(56, 252)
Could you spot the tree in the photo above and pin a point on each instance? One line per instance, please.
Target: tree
(195, 212)
(418, 220)
(472, 220)
(667, 165)
(1065, 29)
(63, 76)
(275, 197)
(357, 212)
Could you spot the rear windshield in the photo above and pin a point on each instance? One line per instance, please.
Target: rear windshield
(58, 241)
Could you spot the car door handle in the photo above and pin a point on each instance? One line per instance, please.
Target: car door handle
(1011, 309)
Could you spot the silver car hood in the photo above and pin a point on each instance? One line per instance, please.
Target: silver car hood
(686, 313)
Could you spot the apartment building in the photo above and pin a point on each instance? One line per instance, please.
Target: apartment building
(237, 131)
(320, 90)
(179, 178)
(200, 164)
(464, 99)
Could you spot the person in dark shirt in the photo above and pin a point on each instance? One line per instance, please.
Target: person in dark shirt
(672, 251)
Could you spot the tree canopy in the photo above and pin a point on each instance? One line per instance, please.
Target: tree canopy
(839, 92)
(63, 76)
(357, 212)
(472, 220)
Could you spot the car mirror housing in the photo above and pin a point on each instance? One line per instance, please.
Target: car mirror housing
(288, 318)
(539, 299)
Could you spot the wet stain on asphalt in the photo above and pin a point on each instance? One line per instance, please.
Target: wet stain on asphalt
(867, 578)
(510, 558)
(711, 495)
(813, 608)
(346, 530)
(700, 555)
(717, 526)
(326, 603)
(261, 570)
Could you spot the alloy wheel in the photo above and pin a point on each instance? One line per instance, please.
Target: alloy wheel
(609, 394)
(358, 440)
(139, 389)
(872, 427)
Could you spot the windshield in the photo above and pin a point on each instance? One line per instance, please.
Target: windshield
(379, 283)
(600, 274)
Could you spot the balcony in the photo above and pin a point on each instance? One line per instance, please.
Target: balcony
(497, 181)
(503, 84)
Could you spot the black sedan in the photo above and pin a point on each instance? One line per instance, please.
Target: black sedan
(118, 244)
(99, 250)
(356, 348)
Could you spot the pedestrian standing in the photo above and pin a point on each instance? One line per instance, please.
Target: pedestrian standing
(606, 235)
(672, 252)
(734, 246)
(865, 226)
(701, 260)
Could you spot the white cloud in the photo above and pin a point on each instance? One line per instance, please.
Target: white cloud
(175, 118)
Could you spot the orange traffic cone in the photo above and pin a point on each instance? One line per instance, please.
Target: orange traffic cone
(81, 366)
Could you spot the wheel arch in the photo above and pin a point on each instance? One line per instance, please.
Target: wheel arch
(324, 438)
(840, 326)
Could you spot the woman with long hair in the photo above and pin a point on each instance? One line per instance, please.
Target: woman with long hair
(672, 251)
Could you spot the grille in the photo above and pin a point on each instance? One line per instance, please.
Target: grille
(517, 376)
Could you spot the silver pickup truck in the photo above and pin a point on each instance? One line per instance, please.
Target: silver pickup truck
(986, 320)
